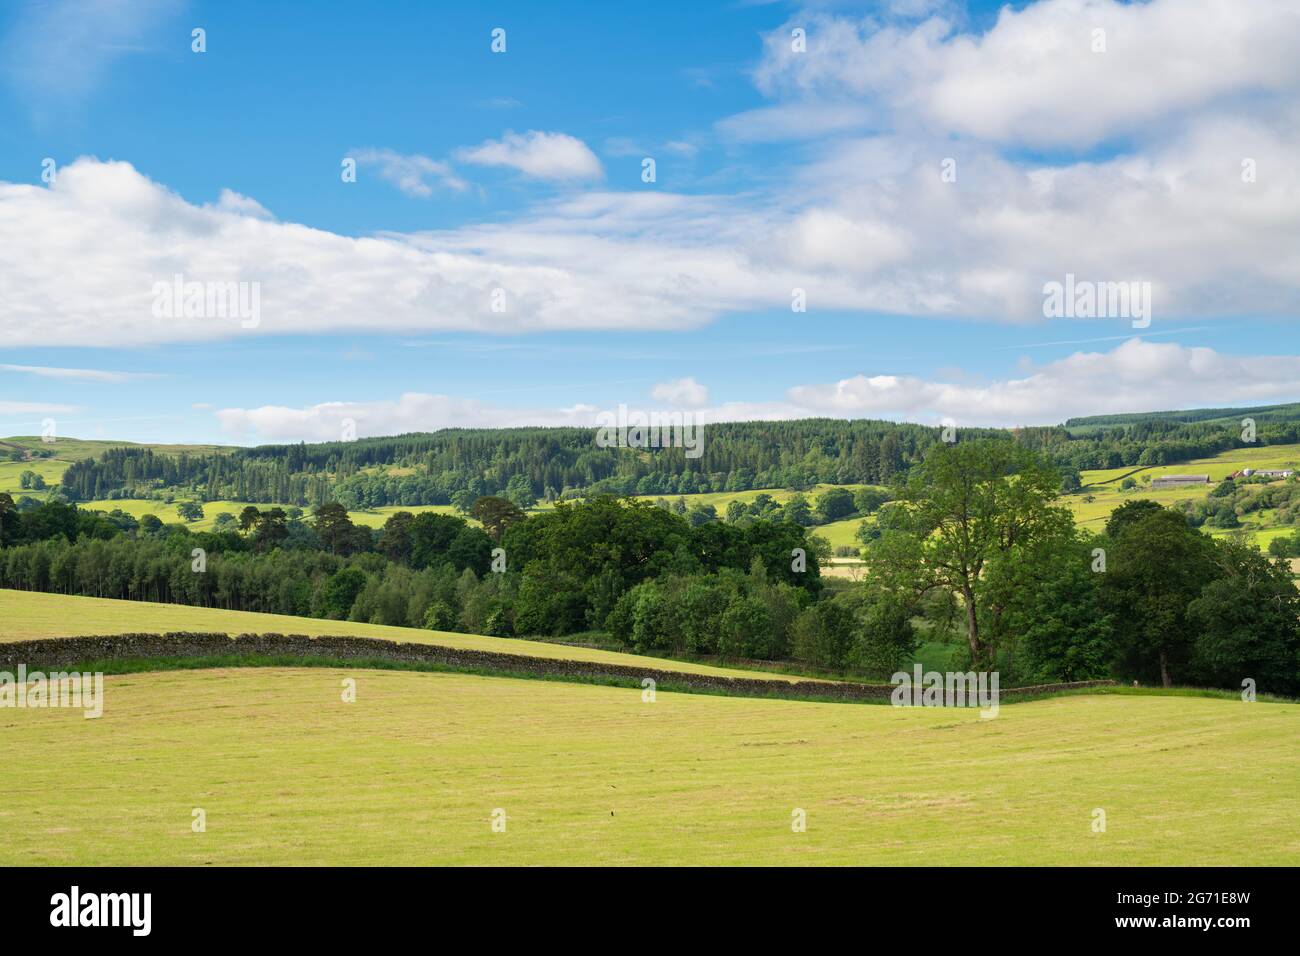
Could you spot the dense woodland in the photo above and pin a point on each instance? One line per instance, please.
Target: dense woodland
(458, 466)
(973, 551)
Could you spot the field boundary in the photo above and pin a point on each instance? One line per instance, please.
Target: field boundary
(284, 649)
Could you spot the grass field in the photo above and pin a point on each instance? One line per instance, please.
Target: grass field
(167, 512)
(25, 615)
(66, 451)
(11, 472)
(720, 499)
(1103, 486)
(411, 772)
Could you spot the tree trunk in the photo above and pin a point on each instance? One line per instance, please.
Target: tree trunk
(1164, 671)
(972, 627)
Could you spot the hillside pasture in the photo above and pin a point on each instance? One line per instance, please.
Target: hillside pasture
(413, 770)
(26, 615)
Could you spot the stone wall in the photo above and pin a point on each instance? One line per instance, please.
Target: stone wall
(63, 652)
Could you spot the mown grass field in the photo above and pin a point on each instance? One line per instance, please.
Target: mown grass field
(25, 615)
(411, 772)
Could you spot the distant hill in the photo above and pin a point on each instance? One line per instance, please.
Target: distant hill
(1260, 413)
(456, 466)
(77, 449)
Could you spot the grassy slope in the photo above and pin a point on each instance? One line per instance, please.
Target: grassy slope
(66, 451)
(25, 615)
(1104, 487)
(410, 773)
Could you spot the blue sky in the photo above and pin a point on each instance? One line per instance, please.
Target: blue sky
(819, 169)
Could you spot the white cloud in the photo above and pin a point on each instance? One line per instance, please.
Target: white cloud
(410, 173)
(231, 201)
(539, 154)
(1135, 376)
(413, 411)
(77, 374)
(685, 392)
(868, 227)
(1034, 77)
(800, 120)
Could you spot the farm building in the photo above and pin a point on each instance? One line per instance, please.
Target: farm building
(1179, 481)
(1265, 473)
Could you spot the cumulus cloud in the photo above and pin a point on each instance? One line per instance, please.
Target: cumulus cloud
(83, 256)
(539, 154)
(1136, 376)
(413, 411)
(1036, 75)
(865, 223)
(868, 227)
(410, 173)
(685, 392)
(1133, 377)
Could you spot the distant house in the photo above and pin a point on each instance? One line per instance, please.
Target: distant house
(1266, 472)
(1179, 481)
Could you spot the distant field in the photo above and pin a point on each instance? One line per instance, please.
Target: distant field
(167, 512)
(412, 771)
(1103, 486)
(720, 499)
(838, 533)
(75, 449)
(11, 475)
(1218, 467)
(25, 615)
(65, 452)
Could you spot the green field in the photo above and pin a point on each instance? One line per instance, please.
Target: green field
(411, 772)
(1103, 486)
(166, 513)
(25, 615)
(11, 472)
(720, 499)
(65, 452)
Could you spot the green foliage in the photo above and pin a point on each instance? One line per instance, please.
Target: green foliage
(1048, 611)
(440, 616)
(340, 593)
(1156, 567)
(966, 506)
(1130, 513)
(834, 504)
(1246, 624)
(497, 514)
